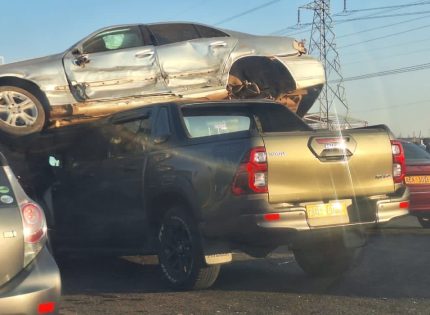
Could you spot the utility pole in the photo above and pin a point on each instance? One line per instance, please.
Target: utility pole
(333, 109)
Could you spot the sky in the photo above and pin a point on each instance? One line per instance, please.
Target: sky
(369, 41)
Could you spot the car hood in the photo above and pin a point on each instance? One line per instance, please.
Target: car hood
(30, 65)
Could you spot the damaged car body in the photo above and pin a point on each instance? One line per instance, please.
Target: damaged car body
(120, 67)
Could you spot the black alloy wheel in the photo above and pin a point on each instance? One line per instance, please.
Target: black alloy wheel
(181, 257)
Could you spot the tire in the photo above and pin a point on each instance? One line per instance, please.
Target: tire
(181, 256)
(330, 258)
(21, 112)
(425, 222)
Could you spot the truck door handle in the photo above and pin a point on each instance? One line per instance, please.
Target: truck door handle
(218, 43)
(144, 53)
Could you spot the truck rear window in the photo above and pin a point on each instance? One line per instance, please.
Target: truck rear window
(203, 126)
(210, 119)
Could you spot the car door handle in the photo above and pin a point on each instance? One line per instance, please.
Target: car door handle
(218, 43)
(144, 53)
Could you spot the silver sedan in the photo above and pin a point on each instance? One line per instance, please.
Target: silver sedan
(119, 67)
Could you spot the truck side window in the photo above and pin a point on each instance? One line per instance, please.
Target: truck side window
(130, 137)
(162, 127)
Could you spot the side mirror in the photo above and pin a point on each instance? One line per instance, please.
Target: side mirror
(161, 139)
(76, 52)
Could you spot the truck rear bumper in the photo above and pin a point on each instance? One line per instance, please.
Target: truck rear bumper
(279, 224)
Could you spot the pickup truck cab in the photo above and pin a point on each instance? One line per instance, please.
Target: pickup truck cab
(194, 181)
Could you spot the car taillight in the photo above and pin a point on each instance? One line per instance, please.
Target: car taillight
(251, 176)
(34, 223)
(399, 167)
(33, 220)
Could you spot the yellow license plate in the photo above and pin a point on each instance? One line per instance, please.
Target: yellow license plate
(417, 180)
(331, 209)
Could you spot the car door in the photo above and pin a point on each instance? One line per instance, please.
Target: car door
(188, 60)
(122, 180)
(116, 62)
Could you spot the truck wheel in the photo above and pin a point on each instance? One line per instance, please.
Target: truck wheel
(21, 113)
(181, 256)
(425, 222)
(325, 259)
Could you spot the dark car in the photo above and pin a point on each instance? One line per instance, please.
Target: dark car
(418, 180)
(29, 277)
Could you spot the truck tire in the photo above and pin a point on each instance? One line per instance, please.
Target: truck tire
(181, 256)
(329, 258)
(425, 222)
(21, 112)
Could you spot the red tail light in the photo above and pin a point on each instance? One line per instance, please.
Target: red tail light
(251, 177)
(399, 167)
(34, 223)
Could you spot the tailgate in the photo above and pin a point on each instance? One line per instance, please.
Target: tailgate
(321, 166)
(11, 234)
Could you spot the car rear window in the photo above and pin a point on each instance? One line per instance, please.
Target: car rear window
(414, 153)
(202, 120)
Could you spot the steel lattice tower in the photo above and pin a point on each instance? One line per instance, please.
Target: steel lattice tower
(322, 44)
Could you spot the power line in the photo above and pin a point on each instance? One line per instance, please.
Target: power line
(390, 46)
(246, 12)
(385, 36)
(388, 72)
(390, 56)
(399, 6)
(392, 106)
(383, 26)
(365, 17)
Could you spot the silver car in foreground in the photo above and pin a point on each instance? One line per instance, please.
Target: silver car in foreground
(29, 277)
(124, 66)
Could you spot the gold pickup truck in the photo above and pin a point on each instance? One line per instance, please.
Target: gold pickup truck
(194, 181)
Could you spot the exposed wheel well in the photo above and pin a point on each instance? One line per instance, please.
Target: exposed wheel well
(269, 74)
(29, 86)
(162, 203)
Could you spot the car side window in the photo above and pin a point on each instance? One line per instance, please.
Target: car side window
(114, 39)
(162, 125)
(130, 138)
(208, 32)
(173, 32)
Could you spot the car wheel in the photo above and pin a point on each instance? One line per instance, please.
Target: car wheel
(330, 258)
(424, 221)
(21, 112)
(180, 254)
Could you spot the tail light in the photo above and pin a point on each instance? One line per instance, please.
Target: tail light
(399, 167)
(34, 223)
(251, 176)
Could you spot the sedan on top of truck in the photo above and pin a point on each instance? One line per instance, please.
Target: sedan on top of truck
(120, 67)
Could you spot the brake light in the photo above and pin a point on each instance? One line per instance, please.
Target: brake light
(34, 223)
(399, 167)
(251, 177)
(46, 308)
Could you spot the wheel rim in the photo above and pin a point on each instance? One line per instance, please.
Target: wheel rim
(17, 109)
(176, 247)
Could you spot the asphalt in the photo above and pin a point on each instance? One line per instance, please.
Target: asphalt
(389, 277)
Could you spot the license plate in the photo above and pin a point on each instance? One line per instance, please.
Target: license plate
(324, 210)
(417, 180)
